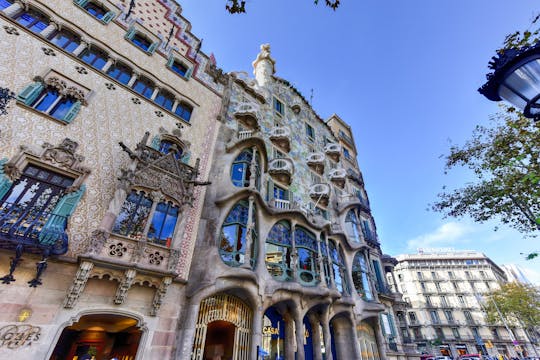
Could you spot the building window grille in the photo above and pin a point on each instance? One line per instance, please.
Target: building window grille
(4, 4)
(232, 247)
(165, 99)
(241, 169)
(33, 20)
(166, 147)
(144, 86)
(184, 111)
(120, 73)
(66, 40)
(49, 100)
(361, 277)
(306, 251)
(352, 226)
(137, 210)
(279, 251)
(94, 57)
(33, 209)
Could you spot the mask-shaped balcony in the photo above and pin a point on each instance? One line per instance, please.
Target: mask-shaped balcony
(281, 136)
(320, 193)
(248, 114)
(281, 169)
(333, 150)
(316, 161)
(338, 176)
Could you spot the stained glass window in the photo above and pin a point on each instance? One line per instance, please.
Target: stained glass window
(361, 278)
(232, 246)
(278, 251)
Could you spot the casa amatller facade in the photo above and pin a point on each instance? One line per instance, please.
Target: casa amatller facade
(153, 206)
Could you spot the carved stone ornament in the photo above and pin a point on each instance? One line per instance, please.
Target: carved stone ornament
(62, 155)
(160, 294)
(174, 257)
(217, 74)
(96, 242)
(123, 287)
(76, 289)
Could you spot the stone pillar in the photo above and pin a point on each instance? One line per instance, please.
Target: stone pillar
(381, 341)
(156, 197)
(325, 322)
(79, 49)
(110, 62)
(134, 77)
(175, 104)
(155, 93)
(49, 30)
(289, 335)
(299, 325)
(187, 328)
(395, 288)
(294, 257)
(354, 338)
(13, 9)
(321, 262)
(253, 169)
(249, 237)
(256, 331)
(315, 336)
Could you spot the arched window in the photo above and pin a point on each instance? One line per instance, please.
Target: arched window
(33, 20)
(66, 40)
(361, 277)
(306, 250)
(184, 111)
(120, 72)
(165, 99)
(338, 267)
(144, 86)
(279, 251)
(94, 57)
(232, 247)
(134, 215)
(241, 169)
(166, 146)
(352, 226)
(4, 4)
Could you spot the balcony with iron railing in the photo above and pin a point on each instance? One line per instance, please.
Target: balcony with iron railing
(281, 136)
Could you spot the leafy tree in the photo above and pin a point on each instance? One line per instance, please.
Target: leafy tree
(517, 303)
(239, 6)
(505, 161)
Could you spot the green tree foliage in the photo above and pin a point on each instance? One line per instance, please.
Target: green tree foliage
(239, 6)
(519, 39)
(505, 161)
(518, 304)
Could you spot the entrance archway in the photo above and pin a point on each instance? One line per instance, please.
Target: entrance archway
(223, 329)
(99, 336)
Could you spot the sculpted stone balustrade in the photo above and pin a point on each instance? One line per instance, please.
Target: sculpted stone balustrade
(281, 136)
(282, 169)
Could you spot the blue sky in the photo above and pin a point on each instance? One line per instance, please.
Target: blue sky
(404, 75)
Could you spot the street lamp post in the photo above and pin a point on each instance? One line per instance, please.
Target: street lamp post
(516, 79)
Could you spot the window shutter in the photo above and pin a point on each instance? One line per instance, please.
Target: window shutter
(155, 142)
(170, 62)
(153, 47)
(381, 324)
(130, 33)
(72, 112)
(189, 72)
(5, 183)
(392, 326)
(108, 17)
(30, 93)
(185, 157)
(286, 195)
(270, 190)
(56, 224)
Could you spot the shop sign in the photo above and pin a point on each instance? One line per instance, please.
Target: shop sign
(268, 330)
(16, 336)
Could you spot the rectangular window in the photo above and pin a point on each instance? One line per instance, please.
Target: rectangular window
(455, 331)
(449, 315)
(428, 300)
(419, 275)
(451, 275)
(434, 316)
(280, 193)
(444, 302)
(310, 133)
(346, 153)
(461, 300)
(278, 107)
(433, 275)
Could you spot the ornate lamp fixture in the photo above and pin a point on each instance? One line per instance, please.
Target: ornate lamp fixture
(516, 79)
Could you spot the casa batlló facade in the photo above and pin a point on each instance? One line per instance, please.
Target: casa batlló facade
(154, 207)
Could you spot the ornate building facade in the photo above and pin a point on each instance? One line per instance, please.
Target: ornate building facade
(446, 316)
(153, 207)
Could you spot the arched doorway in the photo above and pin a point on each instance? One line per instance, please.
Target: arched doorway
(368, 342)
(99, 336)
(223, 329)
(273, 335)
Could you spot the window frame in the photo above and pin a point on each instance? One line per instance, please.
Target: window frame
(108, 14)
(138, 32)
